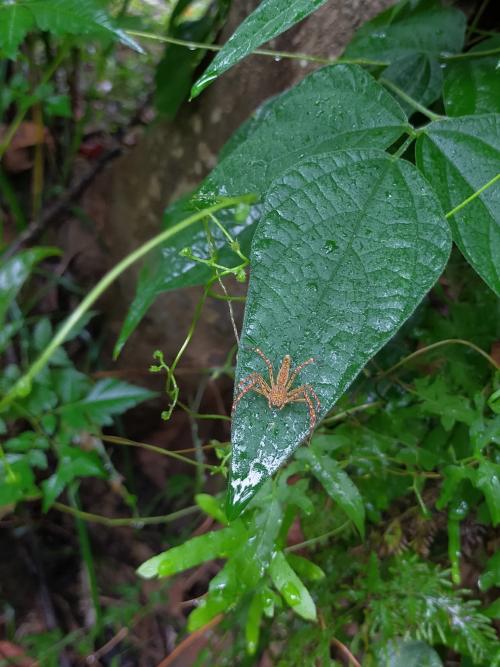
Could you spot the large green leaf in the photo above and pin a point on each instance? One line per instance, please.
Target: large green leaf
(313, 117)
(459, 156)
(349, 244)
(337, 484)
(409, 28)
(60, 17)
(15, 22)
(15, 271)
(270, 19)
(472, 85)
(410, 37)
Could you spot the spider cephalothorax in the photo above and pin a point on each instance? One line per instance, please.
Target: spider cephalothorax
(279, 392)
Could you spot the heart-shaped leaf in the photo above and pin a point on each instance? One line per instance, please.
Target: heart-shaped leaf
(313, 117)
(270, 19)
(409, 28)
(349, 244)
(419, 75)
(459, 156)
(471, 86)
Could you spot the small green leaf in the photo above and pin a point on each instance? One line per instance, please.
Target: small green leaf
(17, 481)
(364, 239)
(73, 464)
(401, 653)
(252, 626)
(487, 480)
(459, 156)
(207, 609)
(26, 441)
(216, 544)
(15, 272)
(491, 575)
(108, 397)
(270, 19)
(305, 568)
(471, 85)
(291, 588)
(211, 506)
(337, 484)
(493, 611)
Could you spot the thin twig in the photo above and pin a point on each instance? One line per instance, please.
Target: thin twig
(409, 100)
(473, 196)
(351, 411)
(117, 440)
(321, 60)
(434, 346)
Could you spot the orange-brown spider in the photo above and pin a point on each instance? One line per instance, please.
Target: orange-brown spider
(279, 392)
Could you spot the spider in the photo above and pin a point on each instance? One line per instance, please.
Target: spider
(279, 392)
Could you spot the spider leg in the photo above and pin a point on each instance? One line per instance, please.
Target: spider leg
(297, 371)
(301, 395)
(254, 382)
(268, 364)
(314, 395)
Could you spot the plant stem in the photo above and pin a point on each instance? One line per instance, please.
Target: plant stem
(473, 196)
(116, 440)
(88, 559)
(472, 54)
(416, 105)
(404, 146)
(313, 540)
(321, 60)
(473, 25)
(23, 385)
(435, 346)
(351, 411)
(134, 522)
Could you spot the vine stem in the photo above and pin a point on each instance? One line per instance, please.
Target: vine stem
(321, 60)
(314, 540)
(136, 521)
(416, 105)
(434, 346)
(115, 440)
(351, 411)
(23, 386)
(471, 54)
(473, 196)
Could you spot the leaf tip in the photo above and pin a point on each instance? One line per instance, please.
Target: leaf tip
(203, 82)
